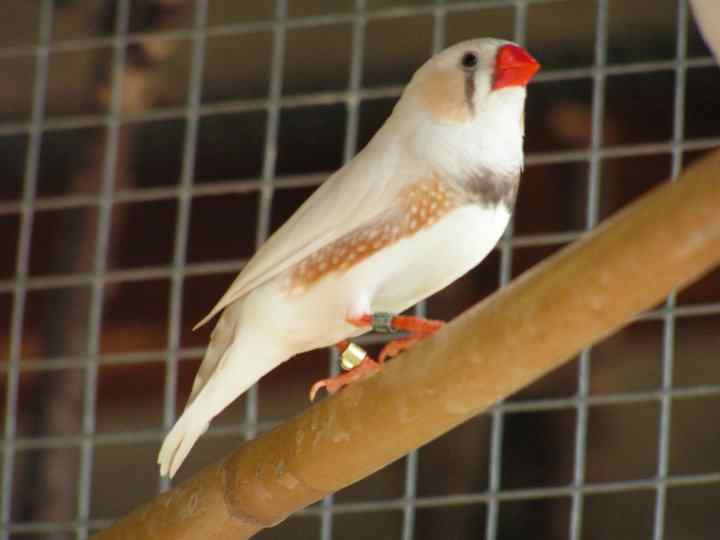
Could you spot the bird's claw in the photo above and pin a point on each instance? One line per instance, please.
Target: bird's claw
(395, 347)
(366, 368)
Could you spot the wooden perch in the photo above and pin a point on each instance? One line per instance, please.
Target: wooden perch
(665, 240)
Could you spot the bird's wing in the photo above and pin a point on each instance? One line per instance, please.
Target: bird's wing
(362, 189)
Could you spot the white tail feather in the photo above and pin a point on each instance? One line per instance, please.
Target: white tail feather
(220, 339)
(241, 364)
(178, 443)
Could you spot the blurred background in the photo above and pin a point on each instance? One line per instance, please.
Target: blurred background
(148, 146)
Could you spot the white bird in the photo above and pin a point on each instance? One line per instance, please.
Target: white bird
(423, 203)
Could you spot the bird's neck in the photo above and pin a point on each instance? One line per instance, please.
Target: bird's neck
(493, 142)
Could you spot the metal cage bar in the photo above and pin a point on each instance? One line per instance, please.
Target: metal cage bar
(497, 414)
(668, 345)
(22, 263)
(591, 219)
(102, 246)
(182, 225)
(326, 98)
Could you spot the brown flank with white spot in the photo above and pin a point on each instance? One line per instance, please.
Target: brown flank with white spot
(417, 207)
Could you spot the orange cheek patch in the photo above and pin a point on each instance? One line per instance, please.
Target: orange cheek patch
(443, 95)
(419, 206)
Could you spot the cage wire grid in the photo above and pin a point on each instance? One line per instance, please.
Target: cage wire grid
(186, 191)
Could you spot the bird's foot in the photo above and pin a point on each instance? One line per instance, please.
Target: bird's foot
(395, 347)
(364, 369)
(417, 327)
(387, 323)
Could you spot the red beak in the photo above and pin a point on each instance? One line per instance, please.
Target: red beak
(513, 67)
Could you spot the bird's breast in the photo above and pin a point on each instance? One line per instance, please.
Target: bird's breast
(429, 261)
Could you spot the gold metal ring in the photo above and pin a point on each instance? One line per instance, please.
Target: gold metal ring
(352, 356)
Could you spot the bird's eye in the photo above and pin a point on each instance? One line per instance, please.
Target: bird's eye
(469, 60)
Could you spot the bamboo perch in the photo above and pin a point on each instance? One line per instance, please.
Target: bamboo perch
(665, 240)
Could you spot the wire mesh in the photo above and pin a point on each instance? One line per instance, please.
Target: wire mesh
(410, 500)
(22, 262)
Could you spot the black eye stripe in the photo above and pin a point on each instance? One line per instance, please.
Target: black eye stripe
(469, 60)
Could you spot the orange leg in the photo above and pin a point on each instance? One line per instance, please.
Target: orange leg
(342, 345)
(417, 327)
(361, 321)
